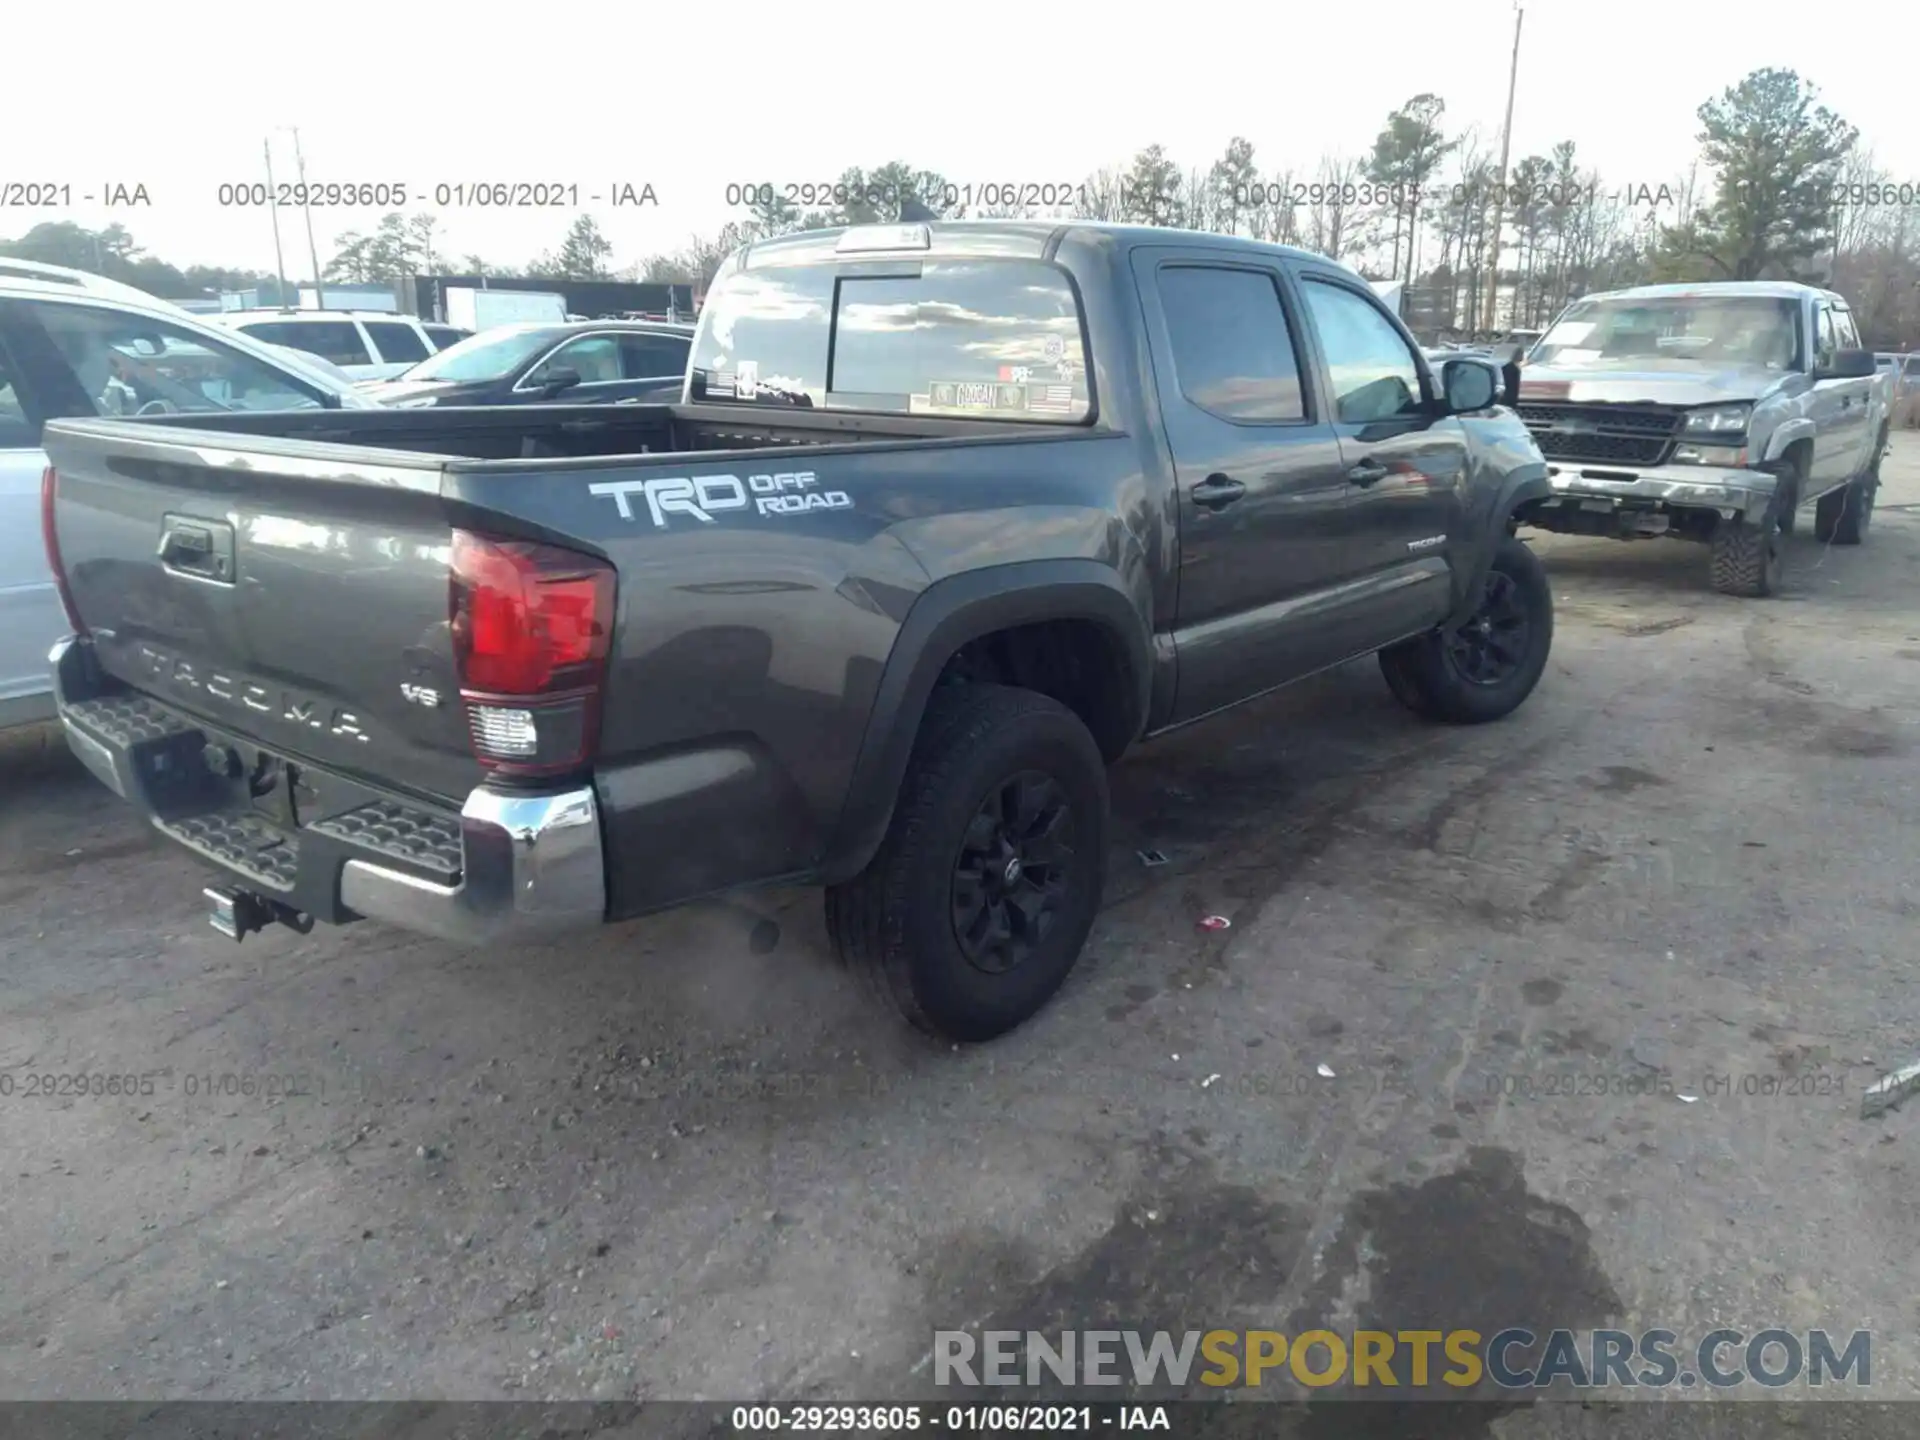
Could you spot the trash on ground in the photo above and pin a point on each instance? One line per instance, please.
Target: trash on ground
(1216, 922)
(1889, 1090)
(1151, 858)
(1209, 1080)
(1687, 1099)
(1324, 1070)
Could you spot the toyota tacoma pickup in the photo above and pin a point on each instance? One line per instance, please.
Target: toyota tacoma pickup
(945, 519)
(1710, 413)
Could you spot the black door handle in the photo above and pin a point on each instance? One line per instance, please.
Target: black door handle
(1367, 472)
(1216, 492)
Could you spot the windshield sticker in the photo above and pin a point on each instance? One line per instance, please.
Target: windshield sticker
(702, 497)
(746, 379)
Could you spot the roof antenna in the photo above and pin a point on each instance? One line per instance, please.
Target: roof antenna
(912, 210)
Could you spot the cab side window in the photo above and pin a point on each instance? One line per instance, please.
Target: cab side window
(1825, 337)
(17, 432)
(1844, 332)
(127, 364)
(1375, 376)
(595, 358)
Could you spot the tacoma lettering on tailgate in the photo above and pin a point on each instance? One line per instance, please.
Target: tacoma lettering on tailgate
(238, 693)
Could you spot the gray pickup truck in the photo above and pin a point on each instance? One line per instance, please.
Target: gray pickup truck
(947, 518)
(1709, 412)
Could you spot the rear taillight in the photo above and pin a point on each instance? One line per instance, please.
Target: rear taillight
(50, 537)
(532, 626)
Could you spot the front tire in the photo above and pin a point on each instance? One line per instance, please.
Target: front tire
(1485, 668)
(975, 908)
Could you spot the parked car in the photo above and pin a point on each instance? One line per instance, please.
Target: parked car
(367, 344)
(1709, 412)
(593, 362)
(72, 343)
(1903, 381)
(874, 607)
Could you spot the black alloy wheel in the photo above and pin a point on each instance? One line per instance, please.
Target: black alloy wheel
(1492, 645)
(1010, 875)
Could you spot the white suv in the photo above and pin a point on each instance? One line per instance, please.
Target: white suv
(367, 344)
(74, 344)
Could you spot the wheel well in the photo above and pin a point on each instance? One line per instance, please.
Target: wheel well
(1080, 663)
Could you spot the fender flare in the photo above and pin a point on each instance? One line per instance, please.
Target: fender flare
(1788, 432)
(947, 615)
(1488, 527)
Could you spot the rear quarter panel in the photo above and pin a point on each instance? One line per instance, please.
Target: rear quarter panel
(749, 647)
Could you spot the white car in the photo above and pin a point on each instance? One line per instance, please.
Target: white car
(74, 344)
(367, 344)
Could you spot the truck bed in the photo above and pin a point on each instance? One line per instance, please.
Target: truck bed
(278, 585)
(531, 432)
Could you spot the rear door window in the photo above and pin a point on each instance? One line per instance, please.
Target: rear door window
(335, 340)
(1233, 353)
(988, 339)
(397, 343)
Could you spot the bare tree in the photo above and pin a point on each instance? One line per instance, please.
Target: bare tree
(1332, 201)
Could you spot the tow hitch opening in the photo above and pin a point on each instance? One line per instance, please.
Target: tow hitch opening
(237, 913)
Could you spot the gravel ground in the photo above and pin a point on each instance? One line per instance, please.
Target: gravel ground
(684, 1160)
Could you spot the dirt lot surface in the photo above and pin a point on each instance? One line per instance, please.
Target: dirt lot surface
(685, 1159)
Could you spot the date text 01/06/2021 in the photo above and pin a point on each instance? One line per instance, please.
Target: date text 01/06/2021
(889, 1419)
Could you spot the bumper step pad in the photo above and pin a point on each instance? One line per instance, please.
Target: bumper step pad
(246, 843)
(126, 720)
(430, 842)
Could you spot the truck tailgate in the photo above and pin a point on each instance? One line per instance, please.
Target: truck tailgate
(292, 593)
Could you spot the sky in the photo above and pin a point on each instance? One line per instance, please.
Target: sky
(181, 102)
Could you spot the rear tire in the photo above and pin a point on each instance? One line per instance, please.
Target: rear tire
(1485, 668)
(975, 908)
(1842, 516)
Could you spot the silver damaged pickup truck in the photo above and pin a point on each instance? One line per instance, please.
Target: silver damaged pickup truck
(1708, 412)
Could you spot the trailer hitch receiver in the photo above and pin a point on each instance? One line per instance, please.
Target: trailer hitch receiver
(237, 913)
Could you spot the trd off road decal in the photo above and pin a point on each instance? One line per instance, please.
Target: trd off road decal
(703, 497)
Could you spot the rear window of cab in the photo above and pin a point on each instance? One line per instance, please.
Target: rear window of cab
(989, 339)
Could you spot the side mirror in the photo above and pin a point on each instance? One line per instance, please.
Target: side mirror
(1469, 385)
(1849, 365)
(558, 380)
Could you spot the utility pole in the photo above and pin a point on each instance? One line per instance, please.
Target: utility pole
(313, 250)
(273, 206)
(1500, 195)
